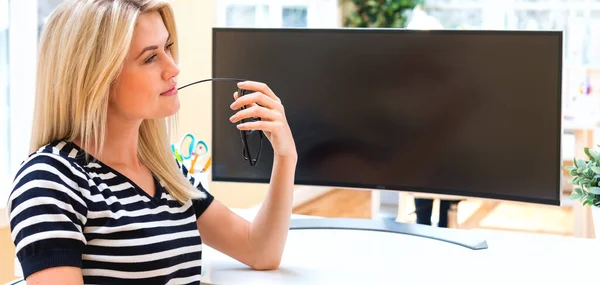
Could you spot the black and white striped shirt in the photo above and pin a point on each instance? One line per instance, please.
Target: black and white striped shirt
(66, 212)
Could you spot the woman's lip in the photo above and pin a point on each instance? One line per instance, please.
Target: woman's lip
(169, 92)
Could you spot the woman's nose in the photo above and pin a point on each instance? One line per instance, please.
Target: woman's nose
(171, 71)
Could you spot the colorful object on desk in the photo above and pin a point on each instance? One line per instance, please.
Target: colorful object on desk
(204, 169)
(192, 149)
(176, 153)
(207, 165)
(585, 87)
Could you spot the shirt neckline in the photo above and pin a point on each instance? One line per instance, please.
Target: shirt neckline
(157, 185)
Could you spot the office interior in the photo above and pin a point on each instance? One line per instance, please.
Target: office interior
(22, 20)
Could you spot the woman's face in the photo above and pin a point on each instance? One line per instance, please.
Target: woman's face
(146, 87)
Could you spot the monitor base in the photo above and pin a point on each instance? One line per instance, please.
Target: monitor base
(453, 236)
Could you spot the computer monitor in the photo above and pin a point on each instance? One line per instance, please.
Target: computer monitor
(457, 112)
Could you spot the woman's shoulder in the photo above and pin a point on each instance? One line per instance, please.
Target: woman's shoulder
(56, 157)
(49, 174)
(53, 166)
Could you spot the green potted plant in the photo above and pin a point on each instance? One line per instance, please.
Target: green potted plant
(586, 178)
(380, 13)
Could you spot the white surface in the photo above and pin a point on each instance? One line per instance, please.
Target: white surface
(568, 146)
(22, 58)
(22, 55)
(365, 257)
(596, 220)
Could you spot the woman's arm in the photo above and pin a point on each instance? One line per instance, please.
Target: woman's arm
(268, 231)
(62, 275)
(258, 244)
(47, 213)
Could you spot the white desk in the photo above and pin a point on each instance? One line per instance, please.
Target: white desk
(366, 257)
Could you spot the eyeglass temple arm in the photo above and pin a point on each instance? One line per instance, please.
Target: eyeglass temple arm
(212, 79)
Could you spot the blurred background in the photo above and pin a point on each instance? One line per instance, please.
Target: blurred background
(22, 20)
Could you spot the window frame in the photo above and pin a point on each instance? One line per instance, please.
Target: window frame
(22, 64)
(4, 107)
(320, 13)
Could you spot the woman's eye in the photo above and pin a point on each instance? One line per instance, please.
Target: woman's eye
(150, 59)
(153, 57)
(168, 47)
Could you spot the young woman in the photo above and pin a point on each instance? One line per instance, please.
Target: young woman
(101, 198)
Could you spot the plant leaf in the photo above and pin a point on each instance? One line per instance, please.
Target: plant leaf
(595, 154)
(594, 190)
(586, 150)
(574, 196)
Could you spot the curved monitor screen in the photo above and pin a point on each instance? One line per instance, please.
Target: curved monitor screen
(473, 113)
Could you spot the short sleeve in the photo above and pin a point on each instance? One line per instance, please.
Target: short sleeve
(47, 213)
(200, 205)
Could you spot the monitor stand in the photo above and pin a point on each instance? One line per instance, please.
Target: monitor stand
(454, 236)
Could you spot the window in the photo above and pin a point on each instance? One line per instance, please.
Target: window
(20, 26)
(579, 20)
(278, 13)
(4, 103)
(45, 7)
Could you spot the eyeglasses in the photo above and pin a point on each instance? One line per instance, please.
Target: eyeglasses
(252, 140)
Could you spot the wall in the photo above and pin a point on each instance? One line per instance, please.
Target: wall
(7, 251)
(195, 20)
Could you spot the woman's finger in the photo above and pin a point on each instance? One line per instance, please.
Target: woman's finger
(255, 111)
(266, 126)
(258, 98)
(235, 97)
(260, 87)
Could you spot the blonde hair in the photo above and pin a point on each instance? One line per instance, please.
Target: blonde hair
(82, 49)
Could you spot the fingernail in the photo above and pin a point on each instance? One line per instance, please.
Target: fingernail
(232, 104)
(231, 118)
(240, 84)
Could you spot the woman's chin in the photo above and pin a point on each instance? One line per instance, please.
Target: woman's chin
(167, 110)
(171, 105)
